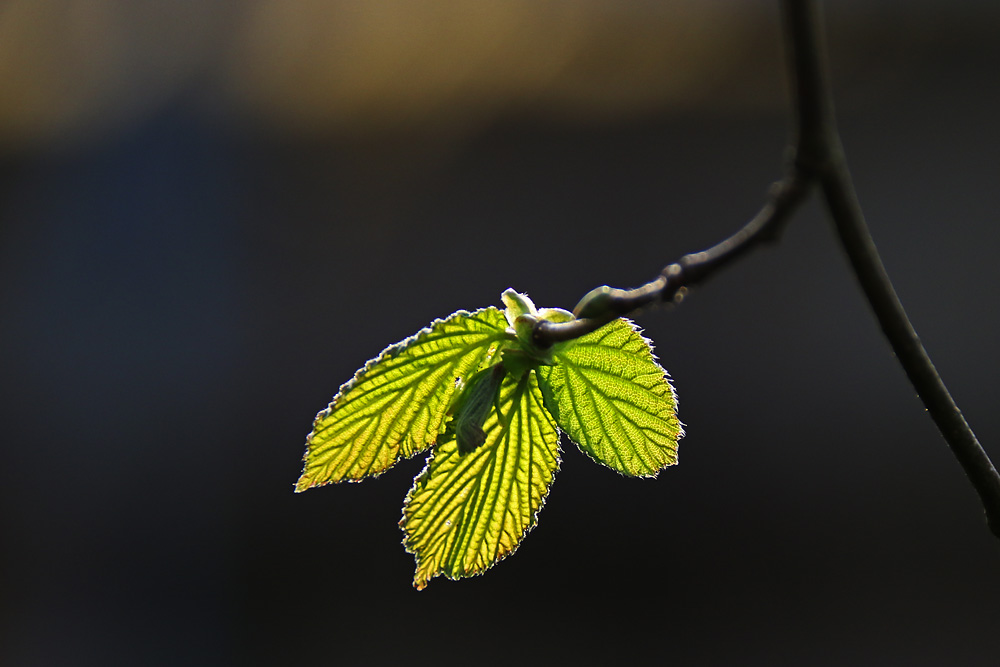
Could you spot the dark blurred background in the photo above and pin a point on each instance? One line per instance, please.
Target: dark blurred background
(212, 213)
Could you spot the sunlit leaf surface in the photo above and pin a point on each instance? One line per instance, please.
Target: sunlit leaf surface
(493, 402)
(465, 512)
(394, 406)
(608, 393)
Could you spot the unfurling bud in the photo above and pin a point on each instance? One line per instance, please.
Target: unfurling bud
(473, 406)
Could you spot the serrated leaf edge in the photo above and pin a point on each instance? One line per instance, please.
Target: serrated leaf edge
(524, 533)
(673, 393)
(387, 353)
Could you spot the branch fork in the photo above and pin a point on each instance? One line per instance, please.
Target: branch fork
(817, 161)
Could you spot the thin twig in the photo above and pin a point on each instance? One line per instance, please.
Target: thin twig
(842, 202)
(605, 304)
(818, 158)
(830, 166)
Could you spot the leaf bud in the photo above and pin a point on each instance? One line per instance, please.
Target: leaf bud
(596, 303)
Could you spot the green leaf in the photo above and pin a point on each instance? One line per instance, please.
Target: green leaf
(394, 406)
(610, 396)
(466, 512)
(493, 401)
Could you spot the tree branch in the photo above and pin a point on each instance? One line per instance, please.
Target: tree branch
(818, 158)
(604, 304)
(815, 110)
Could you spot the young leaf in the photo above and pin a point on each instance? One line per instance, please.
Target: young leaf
(497, 454)
(394, 406)
(465, 512)
(609, 395)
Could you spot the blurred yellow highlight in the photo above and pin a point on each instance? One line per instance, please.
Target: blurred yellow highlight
(73, 69)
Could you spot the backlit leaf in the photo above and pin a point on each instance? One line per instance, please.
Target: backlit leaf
(465, 512)
(611, 397)
(394, 406)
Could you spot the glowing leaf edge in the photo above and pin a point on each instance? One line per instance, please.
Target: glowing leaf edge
(607, 392)
(436, 527)
(388, 411)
